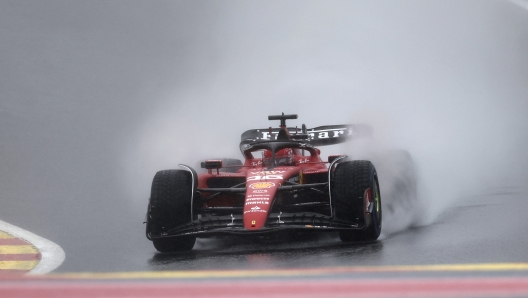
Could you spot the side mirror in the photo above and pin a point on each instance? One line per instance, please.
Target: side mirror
(211, 164)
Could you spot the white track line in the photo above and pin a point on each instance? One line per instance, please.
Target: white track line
(52, 254)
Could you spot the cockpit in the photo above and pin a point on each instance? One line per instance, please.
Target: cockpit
(280, 153)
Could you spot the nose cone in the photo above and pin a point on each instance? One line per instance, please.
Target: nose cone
(259, 196)
(261, 189)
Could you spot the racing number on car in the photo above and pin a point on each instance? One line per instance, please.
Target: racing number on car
(270, 177)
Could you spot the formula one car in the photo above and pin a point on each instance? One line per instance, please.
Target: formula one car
(283, 185)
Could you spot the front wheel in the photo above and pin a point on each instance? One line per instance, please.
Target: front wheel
(356, 198)
(170, 206)
(174, 244)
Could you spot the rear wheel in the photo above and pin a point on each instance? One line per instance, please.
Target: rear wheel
(356, 199)
(170, 207)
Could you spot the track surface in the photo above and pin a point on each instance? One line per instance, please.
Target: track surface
(467, 252)
(485, 229)
(490, 231)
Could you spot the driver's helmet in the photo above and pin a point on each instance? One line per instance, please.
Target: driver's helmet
(283, 157)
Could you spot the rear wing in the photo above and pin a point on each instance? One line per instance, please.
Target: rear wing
(317, 136)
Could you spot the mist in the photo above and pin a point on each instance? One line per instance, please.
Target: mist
(97, 96)
(444, 81)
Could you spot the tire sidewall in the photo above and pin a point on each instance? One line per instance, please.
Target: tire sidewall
(376, 217)
(350, 182)
(170, 201)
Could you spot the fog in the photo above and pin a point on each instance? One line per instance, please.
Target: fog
(445, 82)
(97, 96)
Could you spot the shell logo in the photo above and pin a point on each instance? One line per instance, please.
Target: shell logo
(260, 185)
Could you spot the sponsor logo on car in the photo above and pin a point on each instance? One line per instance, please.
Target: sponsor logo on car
(253, 211)
(260, 185)
(258, 199)
(257, 202)
(267, 172)
(259, 196)
(314, 134)
(265, 177)
(303, 160)
(260, 191)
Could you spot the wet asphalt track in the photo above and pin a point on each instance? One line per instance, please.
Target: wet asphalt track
(486, 229)
(490, 231)
(468, 234)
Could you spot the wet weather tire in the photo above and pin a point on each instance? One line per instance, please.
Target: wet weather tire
(170, 206)
(356, 199)
(175, 244)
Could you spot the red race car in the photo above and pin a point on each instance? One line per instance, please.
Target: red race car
(282, 185)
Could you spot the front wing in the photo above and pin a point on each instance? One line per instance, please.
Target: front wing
(233, 225)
